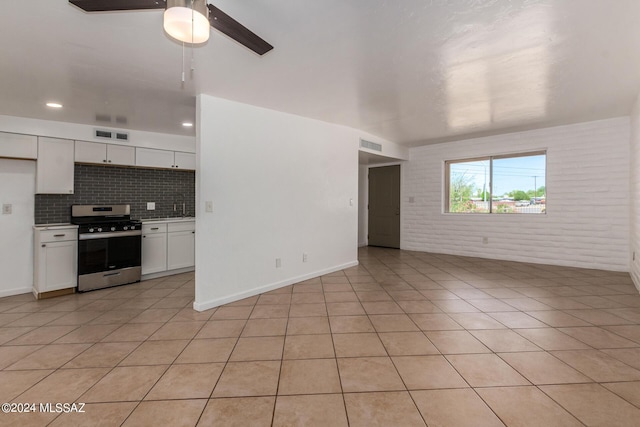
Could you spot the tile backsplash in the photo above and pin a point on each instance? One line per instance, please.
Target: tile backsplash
(97, 184)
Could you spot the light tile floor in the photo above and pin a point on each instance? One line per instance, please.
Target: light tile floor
(403, 339)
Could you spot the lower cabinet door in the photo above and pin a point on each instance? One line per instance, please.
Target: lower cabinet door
(181, 249)
(58, 265)
(154, 253)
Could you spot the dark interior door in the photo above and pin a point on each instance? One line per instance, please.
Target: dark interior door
(384, 206)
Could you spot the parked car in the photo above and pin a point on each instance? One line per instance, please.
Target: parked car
(521, 203)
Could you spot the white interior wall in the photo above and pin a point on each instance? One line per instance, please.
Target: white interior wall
(281, 185)
(17, 187)
(635, 194)
(587, 219)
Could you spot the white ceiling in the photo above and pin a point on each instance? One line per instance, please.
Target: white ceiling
(410, 71)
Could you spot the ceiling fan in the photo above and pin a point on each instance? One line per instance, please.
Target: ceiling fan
(193, 11)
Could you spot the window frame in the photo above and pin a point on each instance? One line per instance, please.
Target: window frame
(490, 158)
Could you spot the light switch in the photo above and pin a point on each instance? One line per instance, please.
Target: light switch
(7, 209)
(151, 206)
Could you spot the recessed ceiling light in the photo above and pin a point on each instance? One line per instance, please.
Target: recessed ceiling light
(54, 105)
(187, 124)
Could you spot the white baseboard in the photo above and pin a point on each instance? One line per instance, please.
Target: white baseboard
(14, 291)
(206, 305)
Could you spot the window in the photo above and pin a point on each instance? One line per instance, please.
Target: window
(497, 184)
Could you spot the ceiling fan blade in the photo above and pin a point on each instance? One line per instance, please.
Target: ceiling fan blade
(112, 5)
(232, 28)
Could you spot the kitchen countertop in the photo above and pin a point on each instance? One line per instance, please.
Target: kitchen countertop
(176, 219)
(58, 226)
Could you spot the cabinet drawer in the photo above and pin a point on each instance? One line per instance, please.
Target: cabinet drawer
(181, 226)
(154, 228)
(47, 236)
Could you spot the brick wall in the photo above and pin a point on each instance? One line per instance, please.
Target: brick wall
(587, 219)
(97, 184)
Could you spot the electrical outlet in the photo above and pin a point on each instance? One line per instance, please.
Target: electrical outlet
(151, 206)
(208, 206)
(485, 240)
(305, 257)
(278, 263)
(7, 209)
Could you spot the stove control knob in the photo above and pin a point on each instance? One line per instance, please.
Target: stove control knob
(99, 230)
(113, 229)
(126, 228)
(91, 230)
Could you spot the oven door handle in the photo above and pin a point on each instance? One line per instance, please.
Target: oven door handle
(93, 236)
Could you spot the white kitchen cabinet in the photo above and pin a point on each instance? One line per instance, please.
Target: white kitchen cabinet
(18, 146)
(184, 160)
(154, 248)
(168, 246)
(90, 152)
(55, 259)
(121, 155)
(150, 157)
(181, 245)
(100, 153)
(55, 166)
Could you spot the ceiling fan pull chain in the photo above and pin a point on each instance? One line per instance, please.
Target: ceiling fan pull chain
(183, 63)
(193, 18)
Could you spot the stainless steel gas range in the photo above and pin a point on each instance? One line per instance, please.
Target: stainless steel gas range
(109, 246)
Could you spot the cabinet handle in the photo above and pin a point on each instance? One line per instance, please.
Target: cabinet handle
(176, 165)
(155, 228)
(109, 161)
(144, 237)
(44, 246)
(104, 161)
(59, 235)
(193, 232)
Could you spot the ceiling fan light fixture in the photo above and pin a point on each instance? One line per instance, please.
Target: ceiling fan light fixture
(186, 24)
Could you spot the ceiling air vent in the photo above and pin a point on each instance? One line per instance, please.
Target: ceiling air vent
(122, 136)
(110, 134)
(103, 134)
(370, 145)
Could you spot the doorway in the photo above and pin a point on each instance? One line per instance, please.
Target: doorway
(384, 206)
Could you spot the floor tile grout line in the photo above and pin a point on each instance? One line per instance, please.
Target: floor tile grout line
(335, 356)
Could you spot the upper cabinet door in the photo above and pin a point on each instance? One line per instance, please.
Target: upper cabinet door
(91, 152)
(18, 146)
(54, 168)
(185, 160)
(154, 158)
(121, 155)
